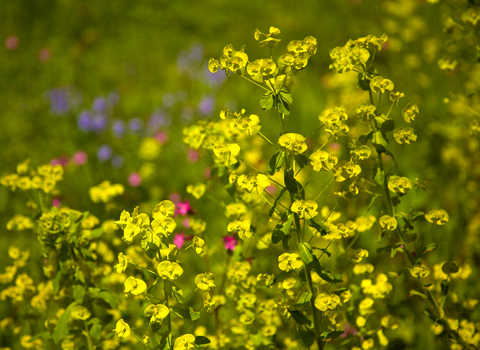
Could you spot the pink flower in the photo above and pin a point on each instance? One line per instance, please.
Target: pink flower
(230, 242)
(186, 223)
(183, 208)
(79, 158)
(272, 189)
(12, 42)
(348, 329)
(208, 173)
(56, 202)
(179, 240)
(44, 55)
(63, 161)
(175, 197)
(193, 156)
(334, 147)
(161, 137)
(134, 179)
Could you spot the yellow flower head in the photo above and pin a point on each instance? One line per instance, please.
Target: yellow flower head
(409, 112)
(164, 210)
(321, 160)
(156, 312)
(293, 143)
(122, 263)
(324, 301)
(388, 222)
(437, 217)
(306, 209)
(225, 154)
(122, 329)
(185, 342)
(288, 262)
(135, 286)
(205, 281)
(170, 270)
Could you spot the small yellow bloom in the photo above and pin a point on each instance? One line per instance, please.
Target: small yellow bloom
(135, 286)
(324, 301)
(185, 342)
(388, 222)
(306, 209)
(170, 270)
(163, 210)
(437, 217)
(288, 262)
(122, 329)
(205, 281)
(122, 263)
(294, 143)
(157, 312)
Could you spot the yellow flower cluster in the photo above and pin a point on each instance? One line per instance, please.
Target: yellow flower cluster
(44, 178)
(105, 192)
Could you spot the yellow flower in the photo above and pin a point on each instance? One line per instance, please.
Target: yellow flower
(419, 271)
(163, 227)
(437, 216)
(122, 329)
(321, 160)
(409, 112)
(157, 312)
(294, 143)
(242, 228)
(404, 135)
(122, 263)
(225, 154)
(306, 209)
(388, 222)
(185, 342)
(198, 244)
(399, 185)
(324, 301)
(164, 210)
(205, 281)
(80, 312)
(135, 286)
(197, 190)
(170, 270)
(288, 262)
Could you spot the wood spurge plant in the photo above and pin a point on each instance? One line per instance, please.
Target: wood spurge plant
(286, 261)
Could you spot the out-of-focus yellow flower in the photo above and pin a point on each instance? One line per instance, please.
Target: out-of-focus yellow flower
(122, 329)
(288, 262)
(135, 286)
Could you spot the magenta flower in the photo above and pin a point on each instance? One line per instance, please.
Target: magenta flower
(80, 158)
(193, 156)
(183, 208)
(349, 329)
(161, 137)
(272, 189)
(63, 161)
(134, 179)
(230, 242)
(12, 42)
(179, 240)
(186, 223)
(56, 202)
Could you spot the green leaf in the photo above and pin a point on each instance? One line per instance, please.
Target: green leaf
(154, 286)
(315, 265)
(287, 97)
(414, 292)
(96, 233)
(363, 82)
(379, 142)
(306, 337)
(285, 242)
(304, 299)
(95, 329)
(150, 244)
(387, 125)
(372, 202)
(201, 340)
(363, 139)
(282, 106)
(87, 254)
(450, 267)
(267, 100)
(276, 162)
(44, 335)
(282, 229)
(56, 282)
(61, 328)
(385, 249)
(194, 315)
(305, 252)
(177, 294)
(331, 335)
(299, 317)
(277, 200)
(290, 182)
(319, 226)
(324, 250)
(329, 277)
(181, 312)
(378, 174)
(78, 292)
(302, 160)
(429, 248)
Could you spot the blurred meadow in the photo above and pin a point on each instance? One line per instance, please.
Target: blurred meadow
(104, 88)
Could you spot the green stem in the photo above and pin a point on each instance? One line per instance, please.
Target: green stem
(258, 171)
(254, 82)
(266, 139)
(89, 338)
(323, 190)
